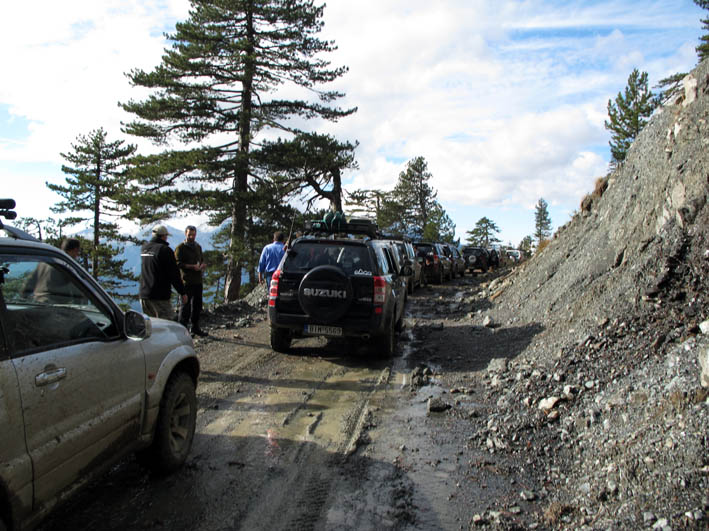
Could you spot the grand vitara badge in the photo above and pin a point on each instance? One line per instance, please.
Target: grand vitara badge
(325, 293)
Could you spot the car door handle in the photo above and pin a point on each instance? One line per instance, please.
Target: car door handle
(49, 377)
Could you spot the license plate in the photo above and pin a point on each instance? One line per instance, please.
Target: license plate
(323, 330)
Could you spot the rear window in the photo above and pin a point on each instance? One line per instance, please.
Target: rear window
(424, 248)
(306, 255)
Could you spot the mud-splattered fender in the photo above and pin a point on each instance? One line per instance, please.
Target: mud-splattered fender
(167, 350)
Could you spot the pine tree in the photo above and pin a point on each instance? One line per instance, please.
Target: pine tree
(542, 221)
(309, 165)
(439, 226)
(629, 114)
(483, 234)
(413, 200)
(526, 245)
(213, 85)
(365, 204)
(703, 48)
(95, 186)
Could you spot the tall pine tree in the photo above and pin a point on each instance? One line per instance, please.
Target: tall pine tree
(542, 221)
(215, 91)
(413, 199)
(95, 186)
(629, 114)
(484, 233)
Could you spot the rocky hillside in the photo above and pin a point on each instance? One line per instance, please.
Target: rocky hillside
(608, 399)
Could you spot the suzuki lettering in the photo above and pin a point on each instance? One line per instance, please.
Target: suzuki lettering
(328, 293)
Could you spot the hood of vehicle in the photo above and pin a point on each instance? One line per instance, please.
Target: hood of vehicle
(168, 333)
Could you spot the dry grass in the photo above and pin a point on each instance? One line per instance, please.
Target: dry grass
(542, 245)
(600, 187)
(554, 513)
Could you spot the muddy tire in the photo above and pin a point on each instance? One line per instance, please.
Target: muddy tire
(440, 275)
(386, 345)
(176, 424)
(410, 286)
(280, 339)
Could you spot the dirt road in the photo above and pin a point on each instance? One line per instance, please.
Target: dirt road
(327, 436)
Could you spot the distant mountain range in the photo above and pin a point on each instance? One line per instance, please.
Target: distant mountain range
(131, 254)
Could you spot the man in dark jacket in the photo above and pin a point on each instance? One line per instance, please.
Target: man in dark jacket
(158, 271)
(190, 261)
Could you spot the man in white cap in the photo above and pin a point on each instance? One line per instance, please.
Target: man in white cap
(158, 271)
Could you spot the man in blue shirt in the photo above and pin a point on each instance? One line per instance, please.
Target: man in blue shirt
(270, 258)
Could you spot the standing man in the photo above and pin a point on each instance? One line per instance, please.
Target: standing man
(270, 258)
(190, 261)
(158, 271)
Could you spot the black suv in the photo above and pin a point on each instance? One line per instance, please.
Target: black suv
(331, 283)
(477, 258)
(437, 265)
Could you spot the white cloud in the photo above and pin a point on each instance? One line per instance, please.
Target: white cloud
(505, 100)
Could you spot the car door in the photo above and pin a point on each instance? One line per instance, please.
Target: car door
(15, 463)
(81, 382)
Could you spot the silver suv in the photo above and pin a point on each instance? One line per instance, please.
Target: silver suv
(82, 383)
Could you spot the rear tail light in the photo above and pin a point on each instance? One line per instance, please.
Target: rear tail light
(273, 289)
(436, 259)
(380, 293)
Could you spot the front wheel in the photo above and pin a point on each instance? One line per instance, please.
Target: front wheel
(440, 275)
(280, 339)
(176, 424)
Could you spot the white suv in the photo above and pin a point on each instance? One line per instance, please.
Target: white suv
(82, 383)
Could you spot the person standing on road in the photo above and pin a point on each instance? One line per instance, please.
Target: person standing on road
(270, 258)
(190, 261)
(158, 271)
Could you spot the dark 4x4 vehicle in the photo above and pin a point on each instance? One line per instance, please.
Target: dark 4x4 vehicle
(458, 263)
(437, 265)
(338, 287)
(477, 258)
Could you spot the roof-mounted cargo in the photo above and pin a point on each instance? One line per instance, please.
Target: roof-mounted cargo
(336, 223)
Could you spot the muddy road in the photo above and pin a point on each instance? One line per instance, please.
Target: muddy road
(329, 436)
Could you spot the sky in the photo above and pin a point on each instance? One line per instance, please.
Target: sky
(506, 100)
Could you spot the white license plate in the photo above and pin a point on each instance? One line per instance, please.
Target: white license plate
(323, 330)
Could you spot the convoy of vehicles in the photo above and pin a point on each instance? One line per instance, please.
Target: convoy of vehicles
(83, 383)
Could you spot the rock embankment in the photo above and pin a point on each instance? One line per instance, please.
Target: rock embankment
(609, 403)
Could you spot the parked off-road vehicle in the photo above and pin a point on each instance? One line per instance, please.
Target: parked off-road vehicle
(437, 265)
(477, 259)
(82, 383)
(407, 256)
(338, 280)
(458, 263)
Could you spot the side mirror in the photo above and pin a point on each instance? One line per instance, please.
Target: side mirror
(137, 325)
(406, 271)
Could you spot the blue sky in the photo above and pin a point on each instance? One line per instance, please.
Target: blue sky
(505, 100)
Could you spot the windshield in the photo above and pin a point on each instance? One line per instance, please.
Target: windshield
(307, 255)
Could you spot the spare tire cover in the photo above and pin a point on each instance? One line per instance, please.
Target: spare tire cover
(325, 293)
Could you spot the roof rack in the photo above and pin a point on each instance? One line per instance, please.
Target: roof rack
(336, 223)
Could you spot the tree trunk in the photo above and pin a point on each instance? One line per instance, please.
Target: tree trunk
(97, 218)
(232, 284)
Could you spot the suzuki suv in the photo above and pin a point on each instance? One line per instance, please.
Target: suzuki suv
(82, 383)
(331, 283)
